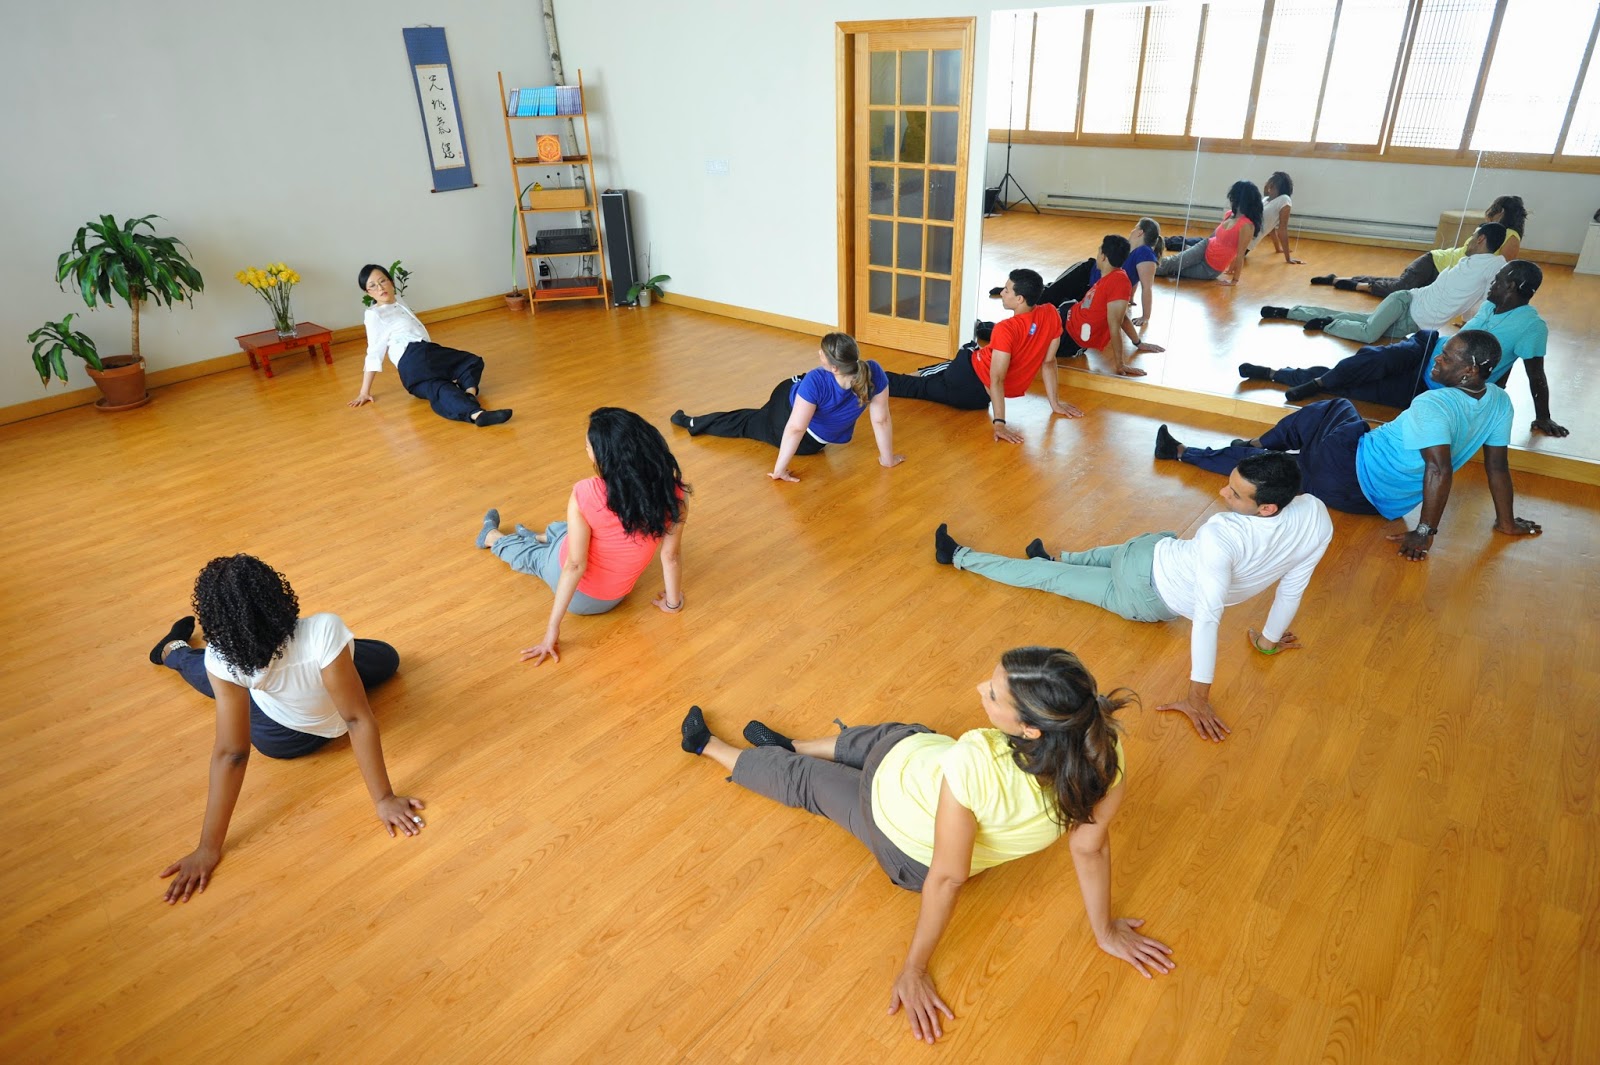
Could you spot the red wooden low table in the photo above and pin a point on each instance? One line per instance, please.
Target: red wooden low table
(267, 343)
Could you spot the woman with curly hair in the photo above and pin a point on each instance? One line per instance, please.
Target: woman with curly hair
(282, 683)
(1220, 257)
(614, 522)
(1425, 269)
(934, 810)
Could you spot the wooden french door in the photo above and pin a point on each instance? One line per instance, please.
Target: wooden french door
(909, 119)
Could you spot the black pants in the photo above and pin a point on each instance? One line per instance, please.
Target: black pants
(442, 376)
(1070, 286)
(1391, 374)
(954, 383)
(1324, 437)
(1419, 274)
(376, 662)
(764, 423)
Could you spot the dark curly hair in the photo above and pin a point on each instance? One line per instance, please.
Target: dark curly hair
(644, 486)
(1075, 755)
(1513, 215)
(1245, 199)
(247, 609)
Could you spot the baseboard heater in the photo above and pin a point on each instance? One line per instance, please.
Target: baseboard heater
(1205, 216)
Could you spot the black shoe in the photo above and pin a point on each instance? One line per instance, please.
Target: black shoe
(1305, 391)
(1317, 325)
(680, 419)
(695, 734)
(994, 293)
(1274, 312)
(759, 735)
(944, 546)
(1251, 372)
(182, 629)
(982, 331)
(1036, 550)
(1324, 279)
(1173, 243)
(1167, 445)
(1344, 284)
(492, 417)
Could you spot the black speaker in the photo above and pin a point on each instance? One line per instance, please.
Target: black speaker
(618, 221)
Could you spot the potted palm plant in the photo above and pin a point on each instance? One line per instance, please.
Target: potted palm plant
(53, 342)
(108, 259)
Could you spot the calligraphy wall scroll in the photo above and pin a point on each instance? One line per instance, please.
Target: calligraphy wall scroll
(435, 83)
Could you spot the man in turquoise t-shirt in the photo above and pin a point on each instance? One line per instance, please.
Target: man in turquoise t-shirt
(1393, 374)
(1411, 460)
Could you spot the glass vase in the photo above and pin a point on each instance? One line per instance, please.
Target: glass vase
(283, 322)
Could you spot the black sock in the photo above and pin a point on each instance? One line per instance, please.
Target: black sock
(1167, 445)
(1316, 325)
(1274, 312)
(695, 733)
(1344, 284)
(493, 417)
(759, 735)
(1036, 549)
(680, 419)
(944, 546)
(1324, 279)
(182, 629)
(1252, 372)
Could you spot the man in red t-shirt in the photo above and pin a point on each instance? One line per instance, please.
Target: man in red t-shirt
(1018, 349)
(1098, 321)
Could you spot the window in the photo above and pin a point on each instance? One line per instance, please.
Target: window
(1415, 80)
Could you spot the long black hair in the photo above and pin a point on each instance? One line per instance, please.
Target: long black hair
(644, 486)
(1075, 754)
(1513, 215)
(1245, 199)
(247, 609)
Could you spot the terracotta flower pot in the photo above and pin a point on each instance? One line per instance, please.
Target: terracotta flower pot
(121, 383)
(516, 301)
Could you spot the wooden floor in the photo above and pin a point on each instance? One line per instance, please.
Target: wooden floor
(1393, 859)
(1209, 329)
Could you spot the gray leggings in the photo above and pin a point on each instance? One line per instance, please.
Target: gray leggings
(525, 554)
(840, 790)
(1190, 263)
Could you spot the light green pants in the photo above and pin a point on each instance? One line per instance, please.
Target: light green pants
(1115, 578)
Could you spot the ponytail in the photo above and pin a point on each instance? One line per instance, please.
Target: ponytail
(1075, 753)
(845, 358)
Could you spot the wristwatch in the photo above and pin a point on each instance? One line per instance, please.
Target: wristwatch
(1424, 529)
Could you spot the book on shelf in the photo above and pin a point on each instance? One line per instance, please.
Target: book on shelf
(527, 103)
(511, 102)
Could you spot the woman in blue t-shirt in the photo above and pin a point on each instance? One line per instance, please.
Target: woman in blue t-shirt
(807, 412)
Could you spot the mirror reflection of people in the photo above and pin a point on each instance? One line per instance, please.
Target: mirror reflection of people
(1425, 269)
(1408, 462)
(284, 684)
(1073, 283)
(1270, 534)
(1275, 216)
(615, 520)
(809, 411)
(1456, 293)
(1019, 349)
(1099, 321)
(1220, 257)
(446, 377)
(935, 810)
(1394, 374)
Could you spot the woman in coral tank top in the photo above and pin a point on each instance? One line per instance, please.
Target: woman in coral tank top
(1220, 257)
(614, 522)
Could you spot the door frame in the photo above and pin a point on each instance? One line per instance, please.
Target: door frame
(845, 34)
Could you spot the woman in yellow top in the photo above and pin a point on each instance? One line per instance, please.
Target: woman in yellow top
(1425, 269)
(935, 811)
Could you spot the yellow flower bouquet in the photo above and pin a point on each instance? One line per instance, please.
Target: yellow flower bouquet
(273, 284)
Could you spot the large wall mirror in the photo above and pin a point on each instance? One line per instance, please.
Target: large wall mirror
(1378, 129)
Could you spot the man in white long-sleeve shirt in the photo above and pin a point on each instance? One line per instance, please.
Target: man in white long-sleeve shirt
(1270, 534)
(446, 377)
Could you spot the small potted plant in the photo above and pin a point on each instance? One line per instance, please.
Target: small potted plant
(54, 341)
(137, 266)
(399, 275)
(639, 295)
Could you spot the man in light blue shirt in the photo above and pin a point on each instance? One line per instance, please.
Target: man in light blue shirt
(1391, 469)
(1394, 374)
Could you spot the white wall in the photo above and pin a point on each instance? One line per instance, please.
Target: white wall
(1560, 205)
(288, 132)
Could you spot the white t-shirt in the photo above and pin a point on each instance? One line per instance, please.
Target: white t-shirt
(290, 689)
(1456, 293)
(390, 327)
(1233, 557)
(1269, 217)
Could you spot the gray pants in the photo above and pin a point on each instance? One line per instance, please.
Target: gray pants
(523, 553)
(1190, 263)
(1391, 318)
(1115, 578)
(840, 790)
